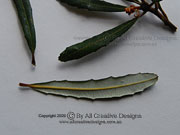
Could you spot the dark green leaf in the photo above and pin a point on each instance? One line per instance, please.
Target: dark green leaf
(135, 1)
(93, 44)
(95, 5)
(156, 1)
(97, 89)
(25, 16)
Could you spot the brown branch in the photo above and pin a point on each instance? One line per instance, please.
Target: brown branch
(156, 5)
(164, 19)
(162, 11)
(148, 7)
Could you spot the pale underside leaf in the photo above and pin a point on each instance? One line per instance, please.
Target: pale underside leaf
(98, 89)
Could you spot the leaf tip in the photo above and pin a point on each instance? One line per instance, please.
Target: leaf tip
(33, 60)
(61, 58)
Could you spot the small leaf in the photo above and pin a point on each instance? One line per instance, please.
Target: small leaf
(25, 16)
(97, 89)
(93, 44)
(95, 5)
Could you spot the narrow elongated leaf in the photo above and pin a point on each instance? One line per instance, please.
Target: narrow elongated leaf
(98, 89)
(95, 5)
(156, 1)
(136, 1)
(24, 11)
(93, 44)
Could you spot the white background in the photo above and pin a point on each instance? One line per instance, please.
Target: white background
(147, 47)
